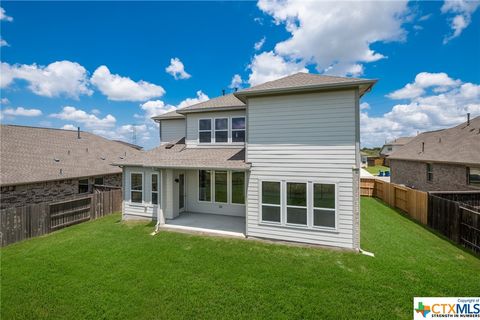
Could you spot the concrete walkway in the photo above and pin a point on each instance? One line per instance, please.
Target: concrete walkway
(209, 223)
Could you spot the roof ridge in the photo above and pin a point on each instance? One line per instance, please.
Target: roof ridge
(44, 128)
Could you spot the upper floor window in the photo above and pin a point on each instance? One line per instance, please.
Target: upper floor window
(221, 130)
(473, 176)
(429, 172)
(238, 129)
(205, 130)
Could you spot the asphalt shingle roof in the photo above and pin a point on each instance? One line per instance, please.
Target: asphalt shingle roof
(30, 154)
(460, 144)
(178, 156)
(226, 101)
(399, 141)
(169, 115)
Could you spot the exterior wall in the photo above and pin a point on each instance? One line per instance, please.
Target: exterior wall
(307, 137)
(446, 177)
(192, 127)
(194, 205)
(145, 210)
(171, 130)
(48, 191)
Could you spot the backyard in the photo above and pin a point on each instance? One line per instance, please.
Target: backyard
(113, 270)
(376, 169)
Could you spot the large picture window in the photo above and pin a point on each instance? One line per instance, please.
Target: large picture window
(271, 205)
(154, 188)
(324, 205)
(136, 188)
(238, 129)
(297, 203)
(221, 187)
(238, 187)
(221, 130)
(205, 130)
(204, 185)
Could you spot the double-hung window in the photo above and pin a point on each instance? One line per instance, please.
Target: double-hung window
(324, 205)
(205, 130)
(221, 186)
(238, 129)
(429, 172)
(154, 188)
(204, 185)
(221, 130)
(83, 186)
(271, 204)
(136, 188)
(473, 176)
(297, 203)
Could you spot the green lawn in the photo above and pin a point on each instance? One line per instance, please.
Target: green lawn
(374, 170)
(112, 270)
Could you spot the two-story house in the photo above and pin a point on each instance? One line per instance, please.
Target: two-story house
(278, 161)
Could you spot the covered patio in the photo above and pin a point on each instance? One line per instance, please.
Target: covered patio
(208, 223)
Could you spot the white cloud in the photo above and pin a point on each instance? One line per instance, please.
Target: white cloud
(3, 43)
(177, 69)
(69, 127)
(236, 82)
(336, 36)
(424, 80)
(191, 101)
(258, 45)
(423, 112)
(268, 66)
(118, 88)
(364, 106)
(155, 108)
(91, 121)
(3, 16)
(58, 78)
(462, 11)
(4, 101)
(21, 111)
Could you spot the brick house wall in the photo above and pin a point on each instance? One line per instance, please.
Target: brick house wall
(48, 191)
(446, 177)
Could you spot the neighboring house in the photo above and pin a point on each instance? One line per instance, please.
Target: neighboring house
(389, 147)
(283, 157)
(45, 165)
(443, 160)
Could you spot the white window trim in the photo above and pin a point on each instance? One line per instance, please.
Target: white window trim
(211, 186)
(212, 137)
(261, 204)
(214, 140)
(335, 210)
(298, 207)
(214, 184)
(142, 191)
(230, 185)
(151, 188)
(231, 130)
(283, 204)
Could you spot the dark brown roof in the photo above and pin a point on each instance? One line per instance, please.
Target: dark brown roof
(305, 81)
(31, 154)
(178, 156)
(228, 102)
(460, 144)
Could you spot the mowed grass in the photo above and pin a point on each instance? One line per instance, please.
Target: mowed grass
(113, 270)
(375, 169)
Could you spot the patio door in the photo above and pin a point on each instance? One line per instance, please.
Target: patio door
(181, 192)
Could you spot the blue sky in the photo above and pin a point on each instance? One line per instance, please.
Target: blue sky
(70, 64)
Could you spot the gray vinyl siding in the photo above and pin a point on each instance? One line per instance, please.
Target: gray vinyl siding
(192, 126)
(171, 130)
(303, 137)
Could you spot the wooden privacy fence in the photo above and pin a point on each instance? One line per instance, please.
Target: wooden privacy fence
(30, 221)
(412, 202)
(457, 220)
